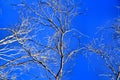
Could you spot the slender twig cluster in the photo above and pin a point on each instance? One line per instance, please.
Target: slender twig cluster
(41, 40)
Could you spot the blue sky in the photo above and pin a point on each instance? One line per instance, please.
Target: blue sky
(99, 13)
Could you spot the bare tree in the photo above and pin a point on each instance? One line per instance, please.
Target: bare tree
(106, 46)
(41, 43)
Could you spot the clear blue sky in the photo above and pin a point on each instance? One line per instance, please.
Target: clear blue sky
(98, 13)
